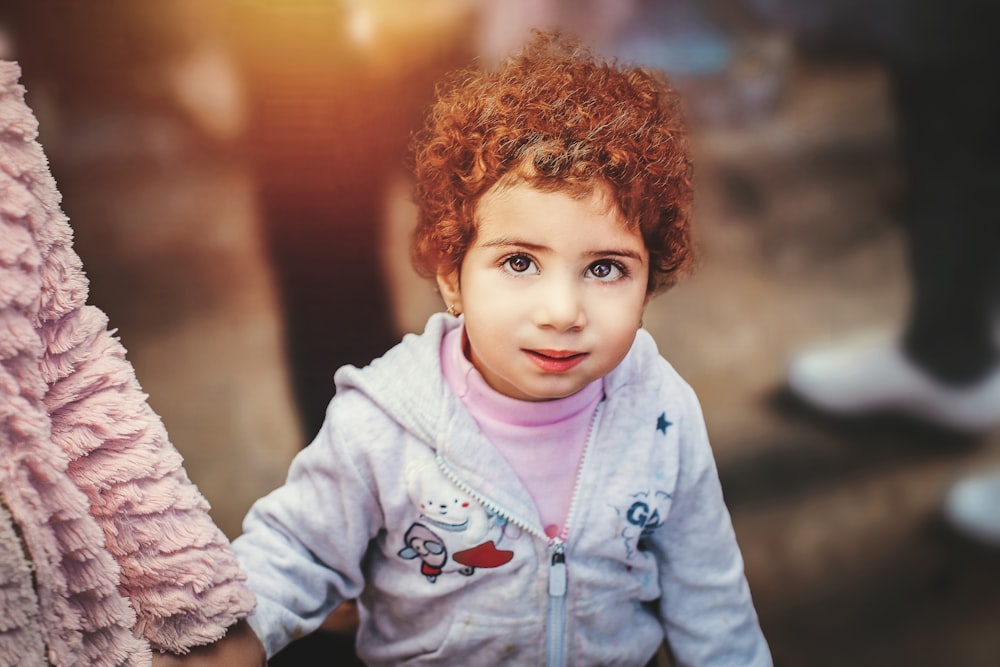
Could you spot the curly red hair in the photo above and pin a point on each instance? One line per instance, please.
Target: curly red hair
(558, 118)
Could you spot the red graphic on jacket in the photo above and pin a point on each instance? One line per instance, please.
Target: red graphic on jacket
(485, 555)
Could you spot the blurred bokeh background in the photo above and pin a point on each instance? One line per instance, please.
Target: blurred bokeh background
(233, 171)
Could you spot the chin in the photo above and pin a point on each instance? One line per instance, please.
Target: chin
(553, 394)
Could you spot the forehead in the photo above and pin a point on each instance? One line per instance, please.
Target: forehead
(574, 223)
(520, 196)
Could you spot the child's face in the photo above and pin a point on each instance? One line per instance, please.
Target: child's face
(553, 291)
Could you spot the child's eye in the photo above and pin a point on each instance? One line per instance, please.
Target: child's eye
(520, 264)
(607, 269)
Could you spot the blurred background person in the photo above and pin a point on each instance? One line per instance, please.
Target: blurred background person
(334, 89)
(943, 367)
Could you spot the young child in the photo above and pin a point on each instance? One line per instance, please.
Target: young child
(527, 482)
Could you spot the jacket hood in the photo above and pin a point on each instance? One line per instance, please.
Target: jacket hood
(406, 382)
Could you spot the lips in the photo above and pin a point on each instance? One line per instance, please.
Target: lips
(556, 361)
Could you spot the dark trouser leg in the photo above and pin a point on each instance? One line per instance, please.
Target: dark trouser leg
(949, 130)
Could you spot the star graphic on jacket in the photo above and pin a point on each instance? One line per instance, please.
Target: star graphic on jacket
(662, 423)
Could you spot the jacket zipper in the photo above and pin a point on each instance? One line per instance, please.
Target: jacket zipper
(555, 629)
(558, 577)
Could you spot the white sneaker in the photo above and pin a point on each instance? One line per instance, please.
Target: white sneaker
(972, 506)
(872, 375)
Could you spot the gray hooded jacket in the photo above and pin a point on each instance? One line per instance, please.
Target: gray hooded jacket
(402, 503)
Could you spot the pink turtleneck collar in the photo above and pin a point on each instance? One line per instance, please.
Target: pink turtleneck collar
(542, 441)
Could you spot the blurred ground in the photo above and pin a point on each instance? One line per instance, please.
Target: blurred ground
(847, 558)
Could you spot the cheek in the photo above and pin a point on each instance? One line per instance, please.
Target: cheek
(487, 324)
(619, 329)
(619, 339)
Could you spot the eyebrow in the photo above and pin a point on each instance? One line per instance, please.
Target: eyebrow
(613, 252)
(506, 242)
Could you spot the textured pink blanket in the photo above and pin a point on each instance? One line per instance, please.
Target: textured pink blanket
(106, 547)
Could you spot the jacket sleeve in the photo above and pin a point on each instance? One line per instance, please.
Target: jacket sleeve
(303, 544)
(708, 615)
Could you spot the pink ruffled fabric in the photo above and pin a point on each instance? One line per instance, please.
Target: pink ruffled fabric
(93, 496)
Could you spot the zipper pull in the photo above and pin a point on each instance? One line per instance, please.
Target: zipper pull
(557, 572)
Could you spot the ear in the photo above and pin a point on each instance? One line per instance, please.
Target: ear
(451, 291)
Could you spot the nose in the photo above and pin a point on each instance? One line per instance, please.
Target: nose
(560, 304)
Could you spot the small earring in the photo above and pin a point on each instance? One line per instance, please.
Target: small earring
(452, 310)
